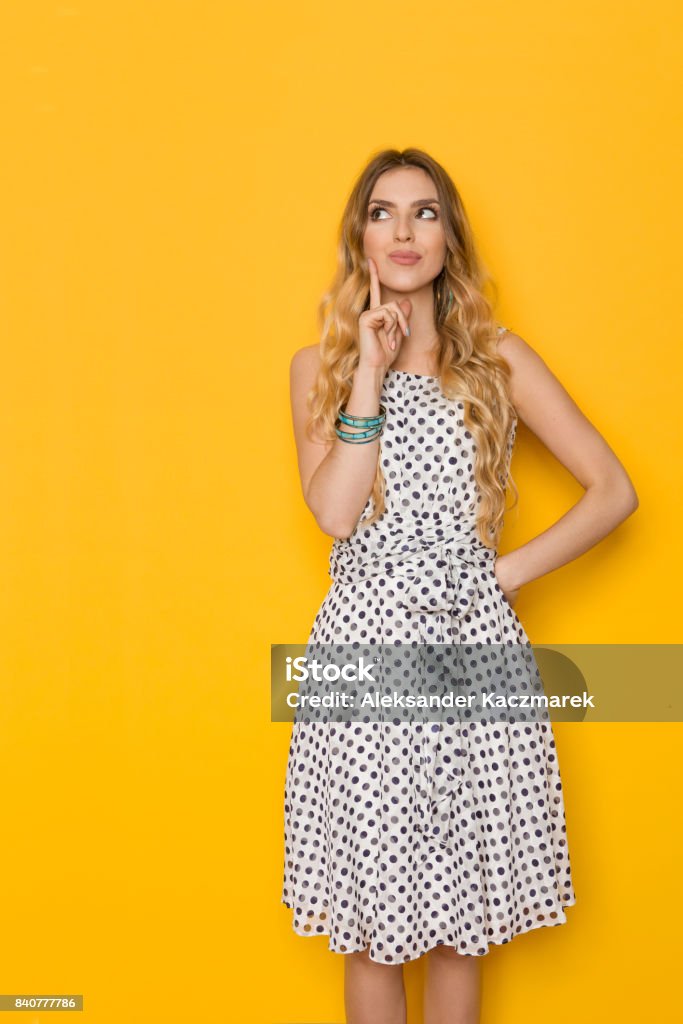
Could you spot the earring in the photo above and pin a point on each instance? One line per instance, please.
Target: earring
(439, 292)
(439, 297)
(441, 279)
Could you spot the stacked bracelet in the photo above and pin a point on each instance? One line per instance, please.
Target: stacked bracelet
(376, 423)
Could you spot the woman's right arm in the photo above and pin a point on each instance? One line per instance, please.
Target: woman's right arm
(337, 476)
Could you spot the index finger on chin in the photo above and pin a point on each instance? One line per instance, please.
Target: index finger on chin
(375, 294)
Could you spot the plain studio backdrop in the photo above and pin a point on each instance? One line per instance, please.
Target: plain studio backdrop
(172, 179)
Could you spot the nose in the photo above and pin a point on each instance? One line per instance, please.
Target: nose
(403, 230)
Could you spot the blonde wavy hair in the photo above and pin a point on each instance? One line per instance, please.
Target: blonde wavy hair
(470, 368)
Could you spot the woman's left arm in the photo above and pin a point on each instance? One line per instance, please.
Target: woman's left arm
(544, 405)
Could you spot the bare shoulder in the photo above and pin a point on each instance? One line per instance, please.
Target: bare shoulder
(304, 363)
(515, 350)
(528, 370)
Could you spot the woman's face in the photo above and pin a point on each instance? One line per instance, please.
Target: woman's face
(404, 216)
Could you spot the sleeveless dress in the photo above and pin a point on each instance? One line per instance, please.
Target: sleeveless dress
(378, 851)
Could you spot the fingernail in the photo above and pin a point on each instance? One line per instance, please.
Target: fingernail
(407, 330)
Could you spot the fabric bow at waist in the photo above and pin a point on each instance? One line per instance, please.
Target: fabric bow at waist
(439, 585)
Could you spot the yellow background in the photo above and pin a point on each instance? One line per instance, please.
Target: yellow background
(172, 177)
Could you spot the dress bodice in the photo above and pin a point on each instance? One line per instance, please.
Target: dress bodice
(431, 495)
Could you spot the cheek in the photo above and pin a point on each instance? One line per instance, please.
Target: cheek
(374, 238)
(435, 252)
(433, 238)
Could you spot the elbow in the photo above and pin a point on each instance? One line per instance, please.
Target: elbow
(630, 500)
(624, 495)
(329, 523)
(634, 504)
(333, 527)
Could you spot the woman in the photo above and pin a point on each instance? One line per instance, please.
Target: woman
(405, 417)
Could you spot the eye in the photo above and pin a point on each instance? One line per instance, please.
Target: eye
(432, 209)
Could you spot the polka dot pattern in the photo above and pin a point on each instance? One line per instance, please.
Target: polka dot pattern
(372, 857)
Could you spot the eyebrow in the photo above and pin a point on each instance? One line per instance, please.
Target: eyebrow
(418, 202)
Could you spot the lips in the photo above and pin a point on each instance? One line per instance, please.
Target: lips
(406, 259)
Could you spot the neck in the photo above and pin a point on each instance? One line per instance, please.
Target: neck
(421, 346)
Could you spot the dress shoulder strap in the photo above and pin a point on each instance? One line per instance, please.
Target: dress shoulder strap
(502, 330)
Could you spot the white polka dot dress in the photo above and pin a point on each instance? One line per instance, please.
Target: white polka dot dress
(371, 858)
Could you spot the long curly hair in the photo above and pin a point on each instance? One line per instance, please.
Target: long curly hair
(470, 368)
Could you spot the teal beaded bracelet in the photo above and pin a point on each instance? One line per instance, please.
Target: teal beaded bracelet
(363, 421)
(347, 437)
(369, 434)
